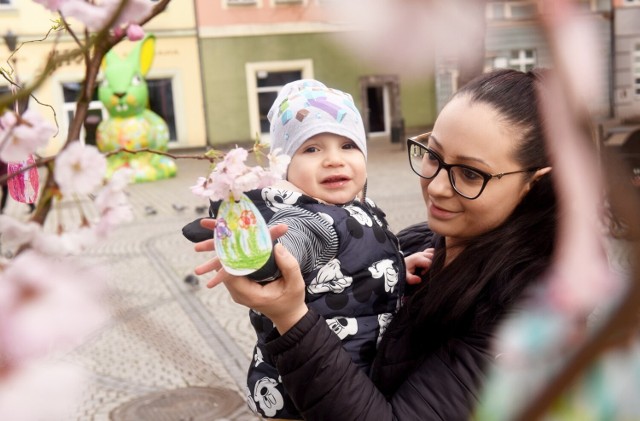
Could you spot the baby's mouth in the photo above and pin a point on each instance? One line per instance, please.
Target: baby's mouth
(335, 179)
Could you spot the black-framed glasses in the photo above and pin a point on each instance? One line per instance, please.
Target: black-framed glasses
(468, 182)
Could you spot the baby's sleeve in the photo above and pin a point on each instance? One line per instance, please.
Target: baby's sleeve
(311, 239)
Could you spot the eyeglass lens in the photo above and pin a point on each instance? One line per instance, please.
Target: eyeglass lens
(464, 180)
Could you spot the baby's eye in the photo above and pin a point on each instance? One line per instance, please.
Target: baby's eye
(349, 145)
(310, 149)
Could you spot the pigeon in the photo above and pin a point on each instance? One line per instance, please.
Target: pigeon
(201, 209)
(178, 207)
(192, 280)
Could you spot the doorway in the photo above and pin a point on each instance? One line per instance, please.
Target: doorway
(378, 110)
(381, 105)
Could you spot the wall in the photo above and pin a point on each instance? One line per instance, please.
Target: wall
(225, 82)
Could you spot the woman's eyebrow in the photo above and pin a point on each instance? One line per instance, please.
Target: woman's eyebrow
(458, 157)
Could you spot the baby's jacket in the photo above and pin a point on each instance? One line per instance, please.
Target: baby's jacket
(354, 275)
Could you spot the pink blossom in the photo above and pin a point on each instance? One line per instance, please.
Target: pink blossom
(266, 178)
(68, 243)
(52, 5)
(56, 386)
(135, 32)
(221, 186)
(46, 305)
(16, 233)
(231, 177)
(203, 187)
(79, 169)
(404, 37)
(20, 139)
(245, 182)
(96, 16)
(112, 202)
(114, 209)
(278, 162)
(233, 163)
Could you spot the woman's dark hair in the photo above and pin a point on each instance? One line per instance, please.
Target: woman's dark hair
(492, 271)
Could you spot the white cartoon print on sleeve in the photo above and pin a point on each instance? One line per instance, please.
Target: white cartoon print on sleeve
(278, 198)
(329, 279)
(343, 326)
(359, 215)
(250, 402)
(267, 396)
(383, 321)
(387, 269)
(257, 357)
(326, 217)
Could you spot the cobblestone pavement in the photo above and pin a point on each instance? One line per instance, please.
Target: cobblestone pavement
(173, 350)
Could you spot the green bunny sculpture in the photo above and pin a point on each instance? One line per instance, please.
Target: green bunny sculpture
(132, 125)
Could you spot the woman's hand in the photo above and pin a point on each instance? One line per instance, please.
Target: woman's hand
(418, 264)
(282, 300)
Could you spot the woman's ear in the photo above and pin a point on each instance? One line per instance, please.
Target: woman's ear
(537, 175)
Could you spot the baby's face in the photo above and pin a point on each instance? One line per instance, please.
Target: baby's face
(328, 167)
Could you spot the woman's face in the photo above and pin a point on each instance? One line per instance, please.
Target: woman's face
(474, 135)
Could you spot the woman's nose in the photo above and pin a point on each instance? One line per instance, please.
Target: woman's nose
(440, 184)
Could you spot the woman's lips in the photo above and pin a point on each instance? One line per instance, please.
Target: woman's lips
(440, 213)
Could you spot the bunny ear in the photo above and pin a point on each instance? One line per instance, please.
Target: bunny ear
(147, 51)
(108, 58)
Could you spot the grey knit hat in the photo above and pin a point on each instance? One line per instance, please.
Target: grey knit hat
(305, 108)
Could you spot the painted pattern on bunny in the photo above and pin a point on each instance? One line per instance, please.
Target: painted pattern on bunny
(132, 125)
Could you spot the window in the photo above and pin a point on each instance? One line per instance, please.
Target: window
(635, 68)
(95, 114)
(264, 81)
(523, 60)
(160, 102)
(241, 2)
(268, 86)
(524, 9)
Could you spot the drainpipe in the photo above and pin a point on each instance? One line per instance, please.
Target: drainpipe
(205, 104)
(612, 60)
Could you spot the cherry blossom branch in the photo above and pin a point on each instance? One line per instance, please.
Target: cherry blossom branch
(211, 156)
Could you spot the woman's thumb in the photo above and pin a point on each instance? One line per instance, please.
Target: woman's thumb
(287, 264)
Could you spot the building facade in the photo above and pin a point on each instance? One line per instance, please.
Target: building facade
(251, 48)
(514, 40)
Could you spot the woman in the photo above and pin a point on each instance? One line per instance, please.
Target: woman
(491, 206)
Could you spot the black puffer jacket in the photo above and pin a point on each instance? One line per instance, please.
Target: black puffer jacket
(441, 384)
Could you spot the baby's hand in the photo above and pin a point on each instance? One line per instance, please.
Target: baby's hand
(417, 264)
